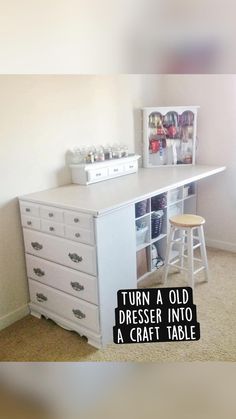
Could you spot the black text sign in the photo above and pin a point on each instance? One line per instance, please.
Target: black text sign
(155, 315)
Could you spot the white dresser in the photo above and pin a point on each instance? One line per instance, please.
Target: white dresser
(80, 245)
(75, 264)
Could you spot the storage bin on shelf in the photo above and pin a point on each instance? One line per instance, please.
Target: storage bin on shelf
(141, 234)
(141, 208)
(142, 262)
(157, 261)
(186, 191)
(174, 210)
(159, 202)
(174, 195)
(156, 223)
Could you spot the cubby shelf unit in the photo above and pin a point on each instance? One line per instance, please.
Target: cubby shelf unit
(178, 201)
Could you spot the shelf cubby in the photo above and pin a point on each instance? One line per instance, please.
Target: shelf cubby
(143, 262)
(158, 202)
(160, 247)
(190, 204)
(174, 195)
(142, 208)
(189, 190)
(142, 225)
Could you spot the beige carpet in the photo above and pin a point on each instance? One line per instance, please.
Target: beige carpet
(31, 339)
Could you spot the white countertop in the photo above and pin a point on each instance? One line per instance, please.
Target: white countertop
(102, 197)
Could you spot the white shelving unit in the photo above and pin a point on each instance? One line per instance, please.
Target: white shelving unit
(178, 201)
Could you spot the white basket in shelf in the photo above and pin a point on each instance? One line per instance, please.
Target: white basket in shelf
(174, 195)
(174, 210)
(186, 191)
(141, 235)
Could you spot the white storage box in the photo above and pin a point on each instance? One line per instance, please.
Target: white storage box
(85, 174)
(174, 210)
(174, 195)
(186, 191)
(141, 235)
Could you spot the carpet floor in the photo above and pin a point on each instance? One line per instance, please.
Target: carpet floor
(31, 339)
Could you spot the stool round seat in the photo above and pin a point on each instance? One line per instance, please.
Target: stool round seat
(187, 220)
(186, 234)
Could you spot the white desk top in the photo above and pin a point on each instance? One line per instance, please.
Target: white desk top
(102, 197)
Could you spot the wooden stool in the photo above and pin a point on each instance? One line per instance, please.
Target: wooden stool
(186, 223)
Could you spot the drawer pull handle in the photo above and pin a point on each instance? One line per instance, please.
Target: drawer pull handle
(75, 258)
(40, 297)
(76, 220)
(79, 314)
(51, 228)
(77, 286)
(98, 174)
(50, 214)
(38, 272)
(27, 209)
(77, 235)
(116, 170)
(36, 245)
(29, 223)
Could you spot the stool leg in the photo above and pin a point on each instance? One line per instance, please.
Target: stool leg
(168, 250)
(181, 248)
(203, 251)
(190, 258)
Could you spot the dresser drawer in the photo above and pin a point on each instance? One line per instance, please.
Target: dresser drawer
(97, 174)
(51, 213)
(66, 252)
(79, 234)
(52, 228)
(131, 167)
(65, 279)
(79, 219)
(30, 222)
(115, 170)
(65, 305)
(29, 209)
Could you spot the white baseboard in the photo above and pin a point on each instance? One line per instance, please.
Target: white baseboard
(218, 244)
(12, 317)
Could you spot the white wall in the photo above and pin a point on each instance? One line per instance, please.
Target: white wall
(216, 95)
(41, 117)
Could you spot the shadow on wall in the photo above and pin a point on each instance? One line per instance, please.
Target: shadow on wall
(137, 120)
(13, 277)
(63, 175)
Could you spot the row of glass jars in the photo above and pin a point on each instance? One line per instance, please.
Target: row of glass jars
(92, 154)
